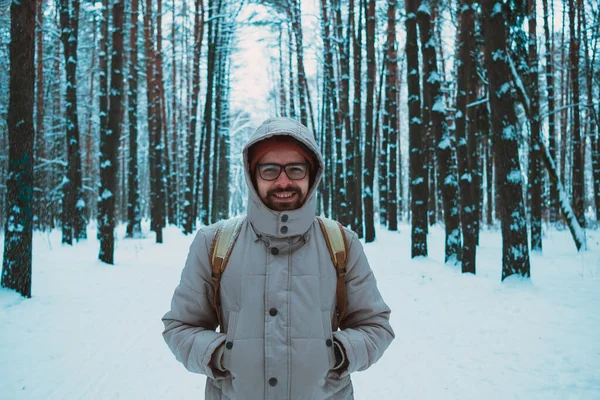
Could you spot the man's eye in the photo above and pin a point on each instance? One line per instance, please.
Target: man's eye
(269, 169)
(296, 170)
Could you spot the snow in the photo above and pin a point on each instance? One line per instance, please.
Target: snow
(93, 331)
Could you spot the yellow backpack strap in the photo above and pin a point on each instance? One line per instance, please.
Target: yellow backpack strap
(220, 250)
(337, 244)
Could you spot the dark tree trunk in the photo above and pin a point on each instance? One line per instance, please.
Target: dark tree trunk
(357, 167)
(578, 144)
(294, 15)
(465, 95)
(327, 116)
(16, 265)
(418, 188)
(282, 92)
(553, 204)
(391, 115)
(103, 83)
(445, 156)
(535, 160)
(73, 222)
(292, 81)
(109, 143)
(207, 126)
(154, 127)
(515, 253)
(134, 214)
(345, 216)
(369, 148)
(190, 197)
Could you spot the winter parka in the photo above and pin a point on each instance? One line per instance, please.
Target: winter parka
(278, 303)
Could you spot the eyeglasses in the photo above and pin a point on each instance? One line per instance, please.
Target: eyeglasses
(294, 171)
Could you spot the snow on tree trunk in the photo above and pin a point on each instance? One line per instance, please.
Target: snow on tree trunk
(134, 214)
(446, 160)
(535, 178)
(464, 130)
(189, 208)
(391, 115)
(73, 220)
(515, 253)
(369, 148)
(109, 142)
(16, 265)
(418, 188)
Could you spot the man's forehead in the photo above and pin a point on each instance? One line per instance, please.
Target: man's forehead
(282, 156)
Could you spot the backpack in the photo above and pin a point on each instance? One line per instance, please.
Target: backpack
(228, 232)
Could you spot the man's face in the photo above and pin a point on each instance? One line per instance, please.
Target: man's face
(283, 193)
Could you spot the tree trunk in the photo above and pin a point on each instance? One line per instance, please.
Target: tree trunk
(465, 95)
(109, 143)
(154, 127)
(358, 226)
(294, 15)
(207, 126)
(190, 196)
(369, 148)
(578, 144)
(391, 113)
(16, 265)
(446, 161)
(515, 253)
(134, 215)
(418, 188)
(535, 177)
(103, 101)
(73, 223)
(553, 205)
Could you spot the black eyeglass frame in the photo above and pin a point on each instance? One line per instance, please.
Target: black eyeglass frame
(283, 168)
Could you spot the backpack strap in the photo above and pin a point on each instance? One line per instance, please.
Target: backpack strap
(337, 244)
(220, 250)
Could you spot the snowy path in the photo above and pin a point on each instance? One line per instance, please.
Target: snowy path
(93, 332)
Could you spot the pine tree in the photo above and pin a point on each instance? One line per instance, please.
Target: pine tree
(16, 265)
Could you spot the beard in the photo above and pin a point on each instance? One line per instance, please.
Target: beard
(278, 204)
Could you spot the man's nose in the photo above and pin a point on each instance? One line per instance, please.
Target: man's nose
(282, 179)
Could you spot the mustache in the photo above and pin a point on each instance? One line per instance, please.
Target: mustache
(293, 189)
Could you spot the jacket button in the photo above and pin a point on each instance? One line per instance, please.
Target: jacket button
(328, 343)
(273, 312)
(284, 218)
(229, 345)
(284, 229)
(274, 251)
(273, 381)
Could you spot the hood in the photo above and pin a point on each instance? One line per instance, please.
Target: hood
(263, 219)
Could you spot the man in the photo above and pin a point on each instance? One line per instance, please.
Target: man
(278, 291)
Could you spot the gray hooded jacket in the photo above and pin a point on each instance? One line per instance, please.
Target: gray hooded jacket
(277, 305)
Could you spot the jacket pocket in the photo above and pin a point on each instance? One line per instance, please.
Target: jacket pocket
(229, 340)
(328, 335)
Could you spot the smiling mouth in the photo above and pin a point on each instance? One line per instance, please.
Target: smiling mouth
(284, 195)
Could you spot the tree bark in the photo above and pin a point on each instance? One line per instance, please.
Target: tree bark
(369, 148)
(109, 143)
(466, 95)
(190, 196)
(391, 113)
(134, 215)
(418, 188)
(446, 161)
(535, 177)
(515, 253)
(73, 222)
(16, 264)
(357, 167)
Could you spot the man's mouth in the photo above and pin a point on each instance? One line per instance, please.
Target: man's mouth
(284, 195)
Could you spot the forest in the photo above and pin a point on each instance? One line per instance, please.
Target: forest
(468, 114)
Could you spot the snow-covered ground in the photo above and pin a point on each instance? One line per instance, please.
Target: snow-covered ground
(93, 331)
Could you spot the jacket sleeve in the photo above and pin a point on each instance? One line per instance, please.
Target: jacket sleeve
(365, 332)
(190, 324)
